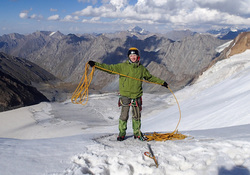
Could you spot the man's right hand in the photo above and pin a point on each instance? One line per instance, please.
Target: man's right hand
(91, 63)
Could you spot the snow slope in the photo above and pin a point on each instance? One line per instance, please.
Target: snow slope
(67, 139)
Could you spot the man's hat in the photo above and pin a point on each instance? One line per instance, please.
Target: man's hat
(133, 50)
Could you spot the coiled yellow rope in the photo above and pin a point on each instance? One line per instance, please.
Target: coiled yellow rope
(80, 96)
(81, 93)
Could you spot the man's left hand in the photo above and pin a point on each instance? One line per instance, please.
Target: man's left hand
(165, 84)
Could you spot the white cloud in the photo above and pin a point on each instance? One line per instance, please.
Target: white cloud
(167, 13)
(210, 1)
(118, 4)
(93, 20)
(53, 10)
(37, 17)
(235, 20)
(24, 14)
(89, 1)
(240, 7)
(54, 18)
(33, 16)
(158, 11)
(245, 8)
(85, 12)
(70, 18)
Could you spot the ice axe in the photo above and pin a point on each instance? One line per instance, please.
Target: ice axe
(150, 154)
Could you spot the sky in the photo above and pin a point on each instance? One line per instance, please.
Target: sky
(105, 16)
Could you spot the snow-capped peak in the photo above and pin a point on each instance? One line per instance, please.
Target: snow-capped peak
(52, 33)
(138, 30)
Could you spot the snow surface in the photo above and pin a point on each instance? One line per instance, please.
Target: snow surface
(68, 139)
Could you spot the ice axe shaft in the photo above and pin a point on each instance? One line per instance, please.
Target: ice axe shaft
(150, 154)
(150, 150)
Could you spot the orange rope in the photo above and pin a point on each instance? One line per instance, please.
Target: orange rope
(82, 91)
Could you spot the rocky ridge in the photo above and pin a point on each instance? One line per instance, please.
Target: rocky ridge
(177, 62)
(236, 46)
(15, 94)
(24, 83)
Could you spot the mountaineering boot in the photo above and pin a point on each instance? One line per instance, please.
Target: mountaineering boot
(137, 130)
(141, 137)
(120, 138)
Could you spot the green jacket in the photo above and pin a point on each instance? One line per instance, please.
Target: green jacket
(129, 87)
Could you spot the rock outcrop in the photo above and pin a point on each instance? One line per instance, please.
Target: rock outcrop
(15, 94)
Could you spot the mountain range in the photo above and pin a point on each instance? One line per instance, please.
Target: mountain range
(227, 33)
(62, 58)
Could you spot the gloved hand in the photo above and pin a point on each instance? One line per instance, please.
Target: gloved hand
(91, 63)
(165, 84)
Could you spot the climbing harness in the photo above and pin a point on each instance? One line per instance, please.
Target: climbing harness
(80, 96)
(133, 103)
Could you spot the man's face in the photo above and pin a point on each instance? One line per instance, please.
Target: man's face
(133, 57)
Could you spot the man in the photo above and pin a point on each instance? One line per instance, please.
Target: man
(130, 90)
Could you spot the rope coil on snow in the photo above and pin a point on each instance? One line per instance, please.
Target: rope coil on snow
(80, 96)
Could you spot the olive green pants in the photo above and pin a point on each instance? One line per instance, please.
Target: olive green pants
(136, 104)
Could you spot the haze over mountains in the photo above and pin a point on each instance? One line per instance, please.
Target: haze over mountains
(179, 60)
